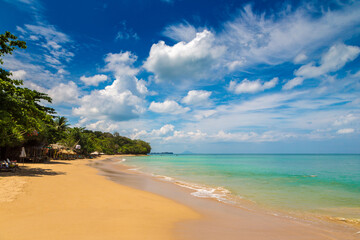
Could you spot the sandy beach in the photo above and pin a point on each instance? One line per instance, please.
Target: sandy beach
(71, 200)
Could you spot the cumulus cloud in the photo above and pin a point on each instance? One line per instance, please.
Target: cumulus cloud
(112, 103)
(164, 130)
(64, 93)
(293, 83)
(337, 56)
(19, 74)
(141, 86)
(122, 66)
(123, 100)
(246, 86)
(184, 61)
(94, 80)
(345, 131)
(168, 106)
(101, 125)
(197, 97)
(121, 63)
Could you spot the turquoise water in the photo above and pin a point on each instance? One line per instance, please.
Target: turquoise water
(327, 184)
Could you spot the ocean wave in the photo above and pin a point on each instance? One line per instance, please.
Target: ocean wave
(220, 194)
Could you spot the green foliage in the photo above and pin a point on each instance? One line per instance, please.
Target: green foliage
(108, 143)
(21, 113)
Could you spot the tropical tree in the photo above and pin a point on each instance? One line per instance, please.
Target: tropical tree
(61, 124)
(21, 114)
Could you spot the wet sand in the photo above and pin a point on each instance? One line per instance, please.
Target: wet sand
(222, 221)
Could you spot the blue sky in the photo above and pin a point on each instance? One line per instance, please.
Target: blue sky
(200, 76)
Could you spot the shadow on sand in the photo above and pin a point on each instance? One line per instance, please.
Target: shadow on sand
(28, 171)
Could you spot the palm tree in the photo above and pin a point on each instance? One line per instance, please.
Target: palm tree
(61, 124)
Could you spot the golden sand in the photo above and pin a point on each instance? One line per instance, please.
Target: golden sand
(68, 200)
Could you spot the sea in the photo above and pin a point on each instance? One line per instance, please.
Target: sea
(325, 184)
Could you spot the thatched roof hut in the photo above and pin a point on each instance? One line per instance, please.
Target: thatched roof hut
(57, 146)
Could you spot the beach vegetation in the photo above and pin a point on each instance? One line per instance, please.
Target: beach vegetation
(22, 115)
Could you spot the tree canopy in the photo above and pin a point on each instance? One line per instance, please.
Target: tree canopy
(105, 142)
(21, 113)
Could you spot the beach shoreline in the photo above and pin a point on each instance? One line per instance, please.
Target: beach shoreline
(311, 225)
(309, 205)
(97, 199)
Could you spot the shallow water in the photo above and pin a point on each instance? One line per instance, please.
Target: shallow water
(325, 184)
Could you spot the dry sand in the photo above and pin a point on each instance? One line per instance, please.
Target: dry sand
(69, 200)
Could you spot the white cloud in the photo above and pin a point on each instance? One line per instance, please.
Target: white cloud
(221, 136)
(102, 125)
(168, 106)
(246, 86)
(33, 6)
(141, 86)
(123, 99)
(269, 136)
(233, 65)
(112, 103)
(337, 56)
(343, 120)
(197, 97)
(293, 83)
(94, 80)
(184, 61)
(300, 58)
(181, 32)
(64, 93)
(345, 131)
(121, 64)
(35, 73)
(201, 114)
(55, 44)
(164, 130)
(19, 74)
(186, 136)
(273, 39)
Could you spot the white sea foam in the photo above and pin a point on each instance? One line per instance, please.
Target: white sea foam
(219, 193)
(120, 161)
